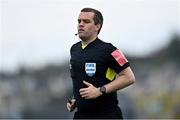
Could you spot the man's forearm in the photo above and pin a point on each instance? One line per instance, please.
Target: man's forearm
(122, 81)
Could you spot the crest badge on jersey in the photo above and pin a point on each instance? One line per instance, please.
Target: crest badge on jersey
(90, 69)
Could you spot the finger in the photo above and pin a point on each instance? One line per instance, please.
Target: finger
(84, 96)
(73, 101)
(83, 93)
(68, 107)
(70, 103)
(86, 83)
(83, 89)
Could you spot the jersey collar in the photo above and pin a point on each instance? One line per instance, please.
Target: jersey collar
(83, 46)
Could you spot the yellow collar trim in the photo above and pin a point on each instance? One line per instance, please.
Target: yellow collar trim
(83, 46)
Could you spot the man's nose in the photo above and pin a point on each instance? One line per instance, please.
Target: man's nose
(81, 23)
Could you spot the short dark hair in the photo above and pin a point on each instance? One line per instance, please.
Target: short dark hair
(98, 18)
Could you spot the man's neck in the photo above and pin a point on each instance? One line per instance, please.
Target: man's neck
(86, 42)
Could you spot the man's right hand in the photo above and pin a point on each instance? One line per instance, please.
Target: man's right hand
(71, 105)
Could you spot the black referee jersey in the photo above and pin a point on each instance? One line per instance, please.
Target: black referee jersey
(97, 64)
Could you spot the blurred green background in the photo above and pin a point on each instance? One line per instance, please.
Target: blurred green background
(43, 92)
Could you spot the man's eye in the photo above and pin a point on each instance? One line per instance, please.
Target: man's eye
(86, 21)
(79, 21)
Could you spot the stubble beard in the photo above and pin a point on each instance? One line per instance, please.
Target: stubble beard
(84, 38)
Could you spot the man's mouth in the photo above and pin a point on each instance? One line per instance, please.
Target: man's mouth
(80, 30)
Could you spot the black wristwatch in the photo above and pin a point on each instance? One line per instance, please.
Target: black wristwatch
(103, 90)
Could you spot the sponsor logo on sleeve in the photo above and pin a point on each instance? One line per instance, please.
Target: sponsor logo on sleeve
(119, 57)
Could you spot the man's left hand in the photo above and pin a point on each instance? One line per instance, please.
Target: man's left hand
(90, 92)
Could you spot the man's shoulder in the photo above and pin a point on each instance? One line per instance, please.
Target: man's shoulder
(75, 45)
(107, 45)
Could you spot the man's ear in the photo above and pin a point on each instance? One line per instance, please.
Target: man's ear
(98, 27)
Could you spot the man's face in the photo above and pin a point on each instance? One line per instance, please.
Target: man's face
(86, 26)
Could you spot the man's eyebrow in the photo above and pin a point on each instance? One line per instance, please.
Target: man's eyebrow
(83, 19)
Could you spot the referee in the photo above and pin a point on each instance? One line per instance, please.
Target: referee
(98, 70)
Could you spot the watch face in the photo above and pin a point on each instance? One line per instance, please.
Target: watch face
(103, 89)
